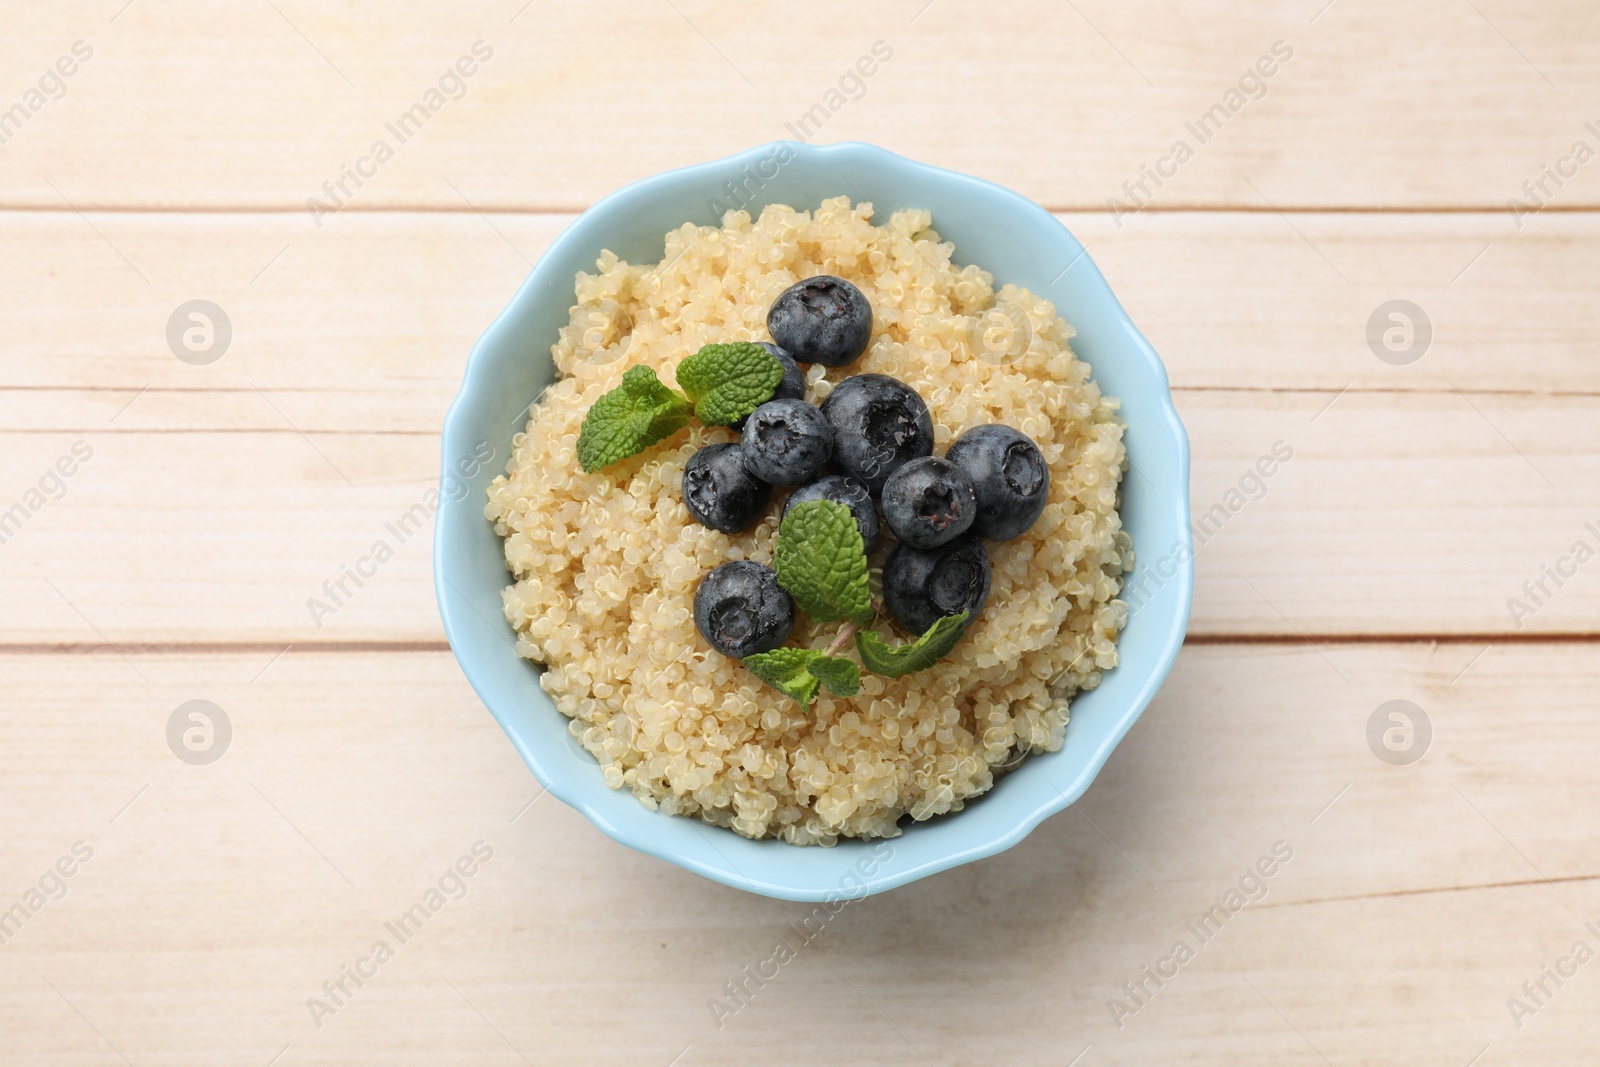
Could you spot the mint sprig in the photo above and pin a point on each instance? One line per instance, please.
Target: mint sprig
(629, 419)
(725, 383)
(822, 562)
(798, 672)
(894, 660)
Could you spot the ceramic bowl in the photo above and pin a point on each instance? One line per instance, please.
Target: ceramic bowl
(1014, 239)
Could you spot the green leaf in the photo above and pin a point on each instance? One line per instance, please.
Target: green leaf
(841, 676)
(822, 562)
(727, 382)
(629, 419)
(895, 660)
(787, 671)
(797, 672)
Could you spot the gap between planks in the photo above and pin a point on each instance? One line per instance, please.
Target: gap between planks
(221, 648)
(1379, 390)
(1429, 890)
(1176, 390)
(573, 209)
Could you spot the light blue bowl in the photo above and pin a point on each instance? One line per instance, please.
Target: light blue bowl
(1008, 235)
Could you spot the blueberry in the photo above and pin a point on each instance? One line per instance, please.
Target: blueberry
(846, 491)
(793, 385)
(1008, 473)
(822, 320)
(921, 586)
(740, 609)
(719, 492)
(929, 501)
(786, 442)
(879, 424)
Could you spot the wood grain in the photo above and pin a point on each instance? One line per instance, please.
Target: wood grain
(318, 427)
(1375, 565)
(1417, 898)
(367, 324)
(1371, 528)
(193, 105)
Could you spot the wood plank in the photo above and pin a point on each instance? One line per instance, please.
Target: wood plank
(1429, 104)
(1398, 514)
(367, 325)
(1412, 906)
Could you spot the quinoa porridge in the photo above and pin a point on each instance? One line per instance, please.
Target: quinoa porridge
(607, 564)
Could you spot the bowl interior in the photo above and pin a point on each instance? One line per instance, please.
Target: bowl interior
(1009, 236)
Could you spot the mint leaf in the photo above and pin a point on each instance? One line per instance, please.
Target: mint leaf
(725, 383)
(841, 676)
(822, 562)
(797, 672)
(787, 671)
(894, 660)
(630, 418)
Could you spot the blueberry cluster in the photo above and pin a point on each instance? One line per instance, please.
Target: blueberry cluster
(875, 435)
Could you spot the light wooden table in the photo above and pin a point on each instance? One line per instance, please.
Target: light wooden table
(206, 503)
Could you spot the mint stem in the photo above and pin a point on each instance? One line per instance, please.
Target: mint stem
(845, 634)
(850, 629)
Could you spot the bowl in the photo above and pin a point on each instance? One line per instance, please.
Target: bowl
(1006, 234)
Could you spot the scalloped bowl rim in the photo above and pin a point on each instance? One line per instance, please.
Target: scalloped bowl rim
(1019, 802)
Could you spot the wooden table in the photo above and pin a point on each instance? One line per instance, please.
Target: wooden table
(167, 520)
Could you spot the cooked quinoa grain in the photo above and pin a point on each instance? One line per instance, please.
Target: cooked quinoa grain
(606, 564)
